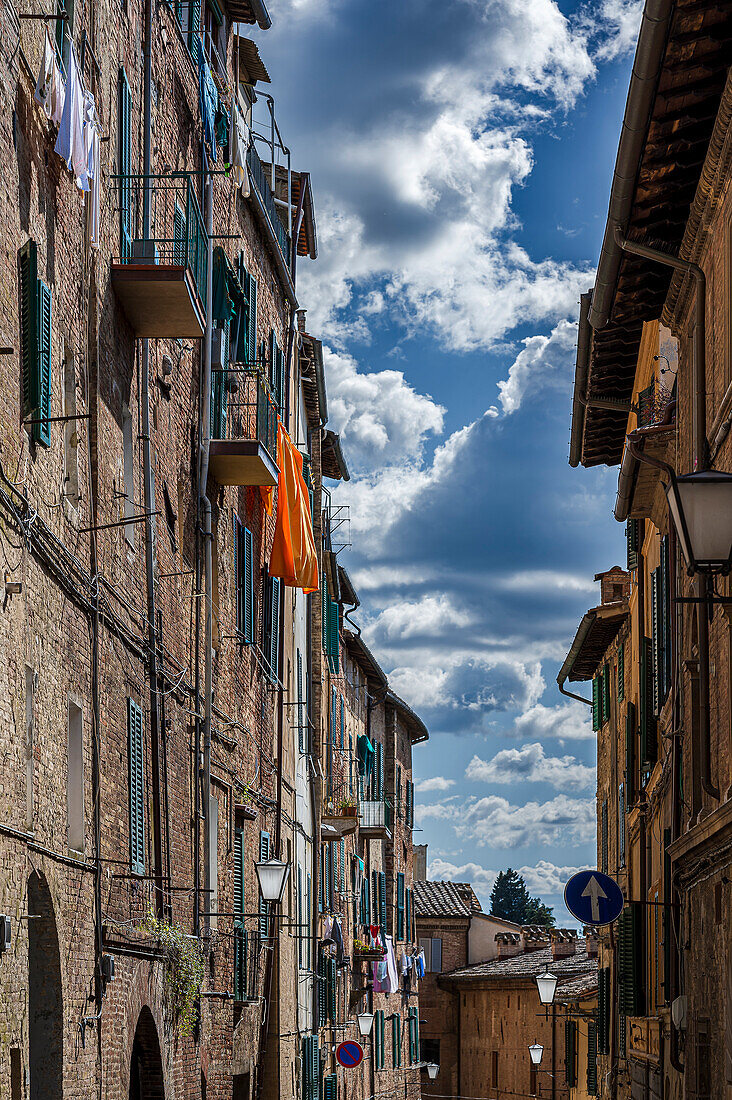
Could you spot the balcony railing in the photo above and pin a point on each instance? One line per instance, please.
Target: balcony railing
(243, 427)
(161, 276)
(259, 175)
(376, 816)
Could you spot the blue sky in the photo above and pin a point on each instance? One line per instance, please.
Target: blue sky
(461, 154)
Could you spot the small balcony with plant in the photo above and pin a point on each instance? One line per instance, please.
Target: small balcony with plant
(375, 812)
(340, 803)
(159, 275)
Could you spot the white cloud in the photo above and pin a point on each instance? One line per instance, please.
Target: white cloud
(470, 684)
(378, 415)
(430, 615)
(544, 581)
(544, 361)
(377, 577)
(565, 722)
(479, 877)
(494, 821)
(436, 783)
(546, 878)
(617, 23)
(530, 764)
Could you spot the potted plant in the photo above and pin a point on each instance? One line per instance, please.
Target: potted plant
(347, 807)
(364, 952)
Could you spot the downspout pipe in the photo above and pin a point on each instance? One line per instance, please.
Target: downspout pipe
(205, 519)
(639, 104)
(577, 644)
(701, 462)
(148, 485)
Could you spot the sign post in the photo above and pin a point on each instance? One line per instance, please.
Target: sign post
(593, 897)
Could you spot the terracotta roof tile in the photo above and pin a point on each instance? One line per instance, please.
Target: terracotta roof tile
(439, 899)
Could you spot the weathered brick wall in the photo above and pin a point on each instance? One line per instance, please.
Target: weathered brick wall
(438, 1006)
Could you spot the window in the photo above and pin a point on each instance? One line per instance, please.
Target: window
(64, 29)
(215, 35)
(35, 321)
(400, 906)
(413, 1026)
(603, 838)
(277, 373)
(649, 745)
(494, 1069)
(570, 1053)
(135, 735)
(271, 639)
(243, 979)
(124, 167)
(128, 473)
(634, 538)
(592, 1058)
(310, 1068)
(621, 824)
(432, 947)
(244, 549)
(398, 792)
(263, 905)
(603, 1010)
(342, 724)
(430, 1051)
(379, 1039)
(409, 809)
(396, 1041)
(75, 778)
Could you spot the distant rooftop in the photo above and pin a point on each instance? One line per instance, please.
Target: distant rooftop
(528, 964)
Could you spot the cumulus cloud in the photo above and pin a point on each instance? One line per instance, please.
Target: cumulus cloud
(429, 616)
(616, 25)
(530, 764)
(436, 783)
(546, 878)
(565, 722)
(496, 822)
(378, 415)
(544, 581)
(544, 361)
(543, 878)
(479, 877)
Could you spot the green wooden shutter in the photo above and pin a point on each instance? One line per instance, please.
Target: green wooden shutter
(591, 1058)
(300, 705)
(631, 959)
(264, 848)
(194, 26)
(621, 824)
(667, 926)
(321, 979)
(634, 537)
(180, 235)
(274, 627)
(240, 934)
(649, 746)
(382, 899)
(321, 878)
(41, 432)
(137, 786)
(219, 397)
(630, 754)
(603, 1010)
(333, 716)
(408, 918)
(410, 804)
(605, 693)
(400, 907)
(380, 1041)
(244, 581)
(375, 895)
(28, 265)
(413, 1035)
(656, 641)
(343, 724)
(252, 341)
(380, 765)
(333, 646)
(324, 610)
(342, 868)
(603, 838)
(621, 672)
(310, 1074)
(124, 102)
(396, 1041)
(330, 1087)
(596, 703)
(331, 988)
(622, 1034)
(570, 1053)
(666, 618)
(365, 901)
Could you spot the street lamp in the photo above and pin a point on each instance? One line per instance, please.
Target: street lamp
(432, 1070)
(701, 507)
(536, 1051)
(365, 1022)
(272, 875)
(546, 983)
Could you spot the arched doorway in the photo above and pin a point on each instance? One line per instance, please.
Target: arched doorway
(146, 1064)
(45, 996)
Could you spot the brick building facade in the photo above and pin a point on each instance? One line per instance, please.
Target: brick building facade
(652, 395)
(166, 699)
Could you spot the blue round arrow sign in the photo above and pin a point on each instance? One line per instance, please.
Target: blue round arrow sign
(593, 898)
(349, 1054)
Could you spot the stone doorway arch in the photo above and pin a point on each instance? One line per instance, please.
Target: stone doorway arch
(146, 1063)
(45, 996)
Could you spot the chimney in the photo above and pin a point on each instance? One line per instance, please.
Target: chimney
(591, 940)
(509, 944)
(301, 320)
(535, 937)
(564, 942)
(420, 862)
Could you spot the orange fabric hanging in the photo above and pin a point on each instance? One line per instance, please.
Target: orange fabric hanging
(293, 558)
(266, 492)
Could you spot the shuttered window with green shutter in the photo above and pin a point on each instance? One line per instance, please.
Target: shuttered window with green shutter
(277, 373)
(570, 1053)
(603, 838)
(400, 906)
(591, 1058)
(331, 979)
(272, 625)
(630, 754)
(124, 111)
(621, 672)
(621, 824)
(219, 396)
(310, 1074)
(263, 905)
(363, 912)
(666, 615)
(634, 537)
(409, 795)
(408, 915)
(375, 896)
(379, 1039)
(596, 703)
(603, 1010)
(342, 867)
(241, 953)
(244, 581)
(342, 724)
(36, 327)
(396, 1041)
(334, 637)
(413, 1027)
(136, 742)
(327, 877)
(303, 740)
(382, 899)
(322, 992)
(330, 1087)
(648, 741)
(631, 982)
(605, 693)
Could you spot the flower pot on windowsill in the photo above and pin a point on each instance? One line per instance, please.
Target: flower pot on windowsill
(371, 955)
(347, 811)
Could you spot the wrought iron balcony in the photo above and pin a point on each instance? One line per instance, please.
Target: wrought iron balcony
(243, 447)
(160, 279)
(376, 819)
(340, 805)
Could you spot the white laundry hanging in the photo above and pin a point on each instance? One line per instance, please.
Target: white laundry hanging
(70, 144)
(238, 146)
(50, 91)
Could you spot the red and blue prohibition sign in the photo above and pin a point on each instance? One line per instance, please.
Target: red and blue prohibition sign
(349, 1054)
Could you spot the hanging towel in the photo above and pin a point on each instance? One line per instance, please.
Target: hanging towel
(365, 753)
(50, 89)
(228, 297)
(94, 173)
(89, 122)
(391, 985)
(293, 559)
(337, 937)
(238, 146)
(209, 100)
(70, 141)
